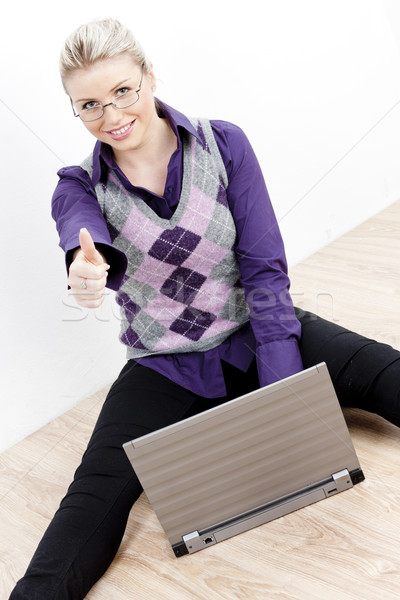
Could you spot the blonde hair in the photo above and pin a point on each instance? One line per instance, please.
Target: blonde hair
(99, 40)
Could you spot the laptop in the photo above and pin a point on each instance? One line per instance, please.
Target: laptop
(248, 461)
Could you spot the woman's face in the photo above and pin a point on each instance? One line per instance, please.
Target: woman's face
(123, 129)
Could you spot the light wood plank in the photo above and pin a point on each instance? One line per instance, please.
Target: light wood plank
(347, 547)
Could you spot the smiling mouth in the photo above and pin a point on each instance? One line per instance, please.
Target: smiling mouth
(122, 132)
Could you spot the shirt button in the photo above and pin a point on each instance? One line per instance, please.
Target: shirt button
(170, 188)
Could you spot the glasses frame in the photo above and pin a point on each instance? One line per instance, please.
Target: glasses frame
(103, 106)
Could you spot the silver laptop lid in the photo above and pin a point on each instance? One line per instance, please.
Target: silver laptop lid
(254, 454)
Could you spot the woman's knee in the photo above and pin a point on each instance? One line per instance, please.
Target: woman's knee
(364, 372)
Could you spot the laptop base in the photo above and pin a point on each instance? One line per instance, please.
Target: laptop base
(195, 541)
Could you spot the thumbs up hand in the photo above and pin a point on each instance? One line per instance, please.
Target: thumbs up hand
(88, 273)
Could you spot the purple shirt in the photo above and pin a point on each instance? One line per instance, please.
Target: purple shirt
(272, 332)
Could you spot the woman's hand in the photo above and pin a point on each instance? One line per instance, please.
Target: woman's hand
(88, 273)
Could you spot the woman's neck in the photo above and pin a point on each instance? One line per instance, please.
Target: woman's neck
(148, 166)
(156, 149)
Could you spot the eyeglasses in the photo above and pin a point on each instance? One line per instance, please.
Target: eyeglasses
(95, 110)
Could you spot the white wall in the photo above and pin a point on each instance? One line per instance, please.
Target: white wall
(315, 85)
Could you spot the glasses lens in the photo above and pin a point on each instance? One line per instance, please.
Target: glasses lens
(91, 114)
(126, 100)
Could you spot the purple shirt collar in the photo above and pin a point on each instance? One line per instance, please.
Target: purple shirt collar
(103, 153)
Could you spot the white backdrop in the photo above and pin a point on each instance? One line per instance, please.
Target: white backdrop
(316, 87)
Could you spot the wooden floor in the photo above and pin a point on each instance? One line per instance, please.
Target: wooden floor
(347, 547)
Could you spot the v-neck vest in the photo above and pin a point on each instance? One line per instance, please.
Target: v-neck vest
(181, 291)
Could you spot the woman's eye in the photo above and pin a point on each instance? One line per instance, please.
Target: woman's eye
(122, 91)
(89, 105)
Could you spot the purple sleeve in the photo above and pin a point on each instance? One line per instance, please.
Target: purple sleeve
(261, 257)
(74, 205)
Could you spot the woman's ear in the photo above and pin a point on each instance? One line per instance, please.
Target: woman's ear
(152, 78)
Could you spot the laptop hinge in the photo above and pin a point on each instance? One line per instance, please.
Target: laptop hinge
(340, 481)
(195, 542)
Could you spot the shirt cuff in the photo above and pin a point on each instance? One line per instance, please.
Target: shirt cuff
(277, 360)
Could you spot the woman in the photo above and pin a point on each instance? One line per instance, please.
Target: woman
(174, 215)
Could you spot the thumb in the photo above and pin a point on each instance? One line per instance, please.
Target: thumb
(89, 249)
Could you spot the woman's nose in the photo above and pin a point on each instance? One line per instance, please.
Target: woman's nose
(111, 114)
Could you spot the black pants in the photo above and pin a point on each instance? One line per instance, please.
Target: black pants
(365, 373)
(86, 531)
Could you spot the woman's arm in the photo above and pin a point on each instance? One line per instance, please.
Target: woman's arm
(262, 261)
(75, 206)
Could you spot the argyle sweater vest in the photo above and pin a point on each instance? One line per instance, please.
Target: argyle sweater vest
(181, 291)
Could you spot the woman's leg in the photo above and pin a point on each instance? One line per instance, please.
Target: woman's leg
(86, 531)
(365, 373)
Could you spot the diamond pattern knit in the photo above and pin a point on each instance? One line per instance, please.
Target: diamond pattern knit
(181, 291)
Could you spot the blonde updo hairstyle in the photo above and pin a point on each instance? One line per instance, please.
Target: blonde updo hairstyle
(99, 40)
